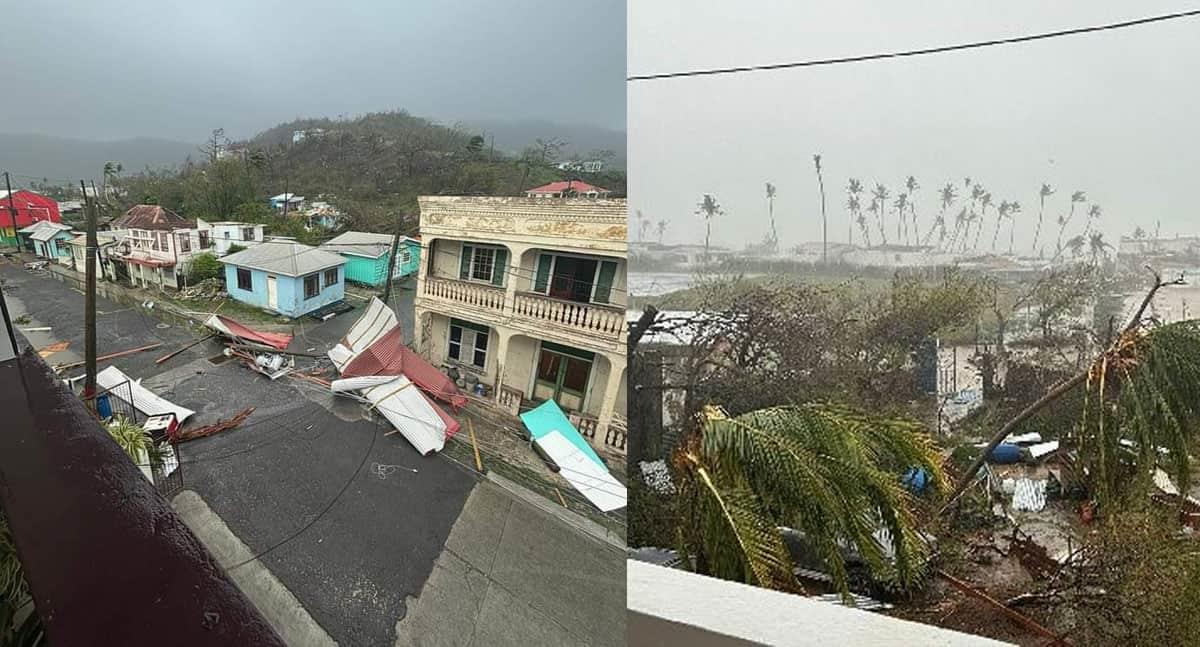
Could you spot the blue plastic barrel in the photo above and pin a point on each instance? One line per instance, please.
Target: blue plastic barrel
(1005, 453)
(103, 407)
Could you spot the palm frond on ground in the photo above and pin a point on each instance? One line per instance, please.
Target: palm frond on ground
(828, 471)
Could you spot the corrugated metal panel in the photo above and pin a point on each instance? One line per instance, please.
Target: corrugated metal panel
(410, 413)
(143, 399)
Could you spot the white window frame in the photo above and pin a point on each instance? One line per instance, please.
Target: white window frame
(475, 249)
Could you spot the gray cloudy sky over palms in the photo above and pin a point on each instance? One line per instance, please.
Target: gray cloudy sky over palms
(175, 69)
(1113, 114)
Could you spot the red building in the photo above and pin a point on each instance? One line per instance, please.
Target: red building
(31, 207)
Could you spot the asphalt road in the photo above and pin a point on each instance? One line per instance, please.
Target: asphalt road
(333, 507)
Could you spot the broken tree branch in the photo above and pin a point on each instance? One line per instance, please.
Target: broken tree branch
(180, 350)
(1017, 617)
(1054, 393)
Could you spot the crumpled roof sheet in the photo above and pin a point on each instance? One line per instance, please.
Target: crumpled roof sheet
(389, 356)
(410, 412)
(240, 331)
(144, 399)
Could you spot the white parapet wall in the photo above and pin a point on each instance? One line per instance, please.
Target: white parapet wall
(673, 608)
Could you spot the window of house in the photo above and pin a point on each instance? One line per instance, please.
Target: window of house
(185, 243)
(248, 233)
(575, 278)
(164, 241)
(487, 264)
(312, 286)
(244, 281)
(564, 369)
(468, 343)
(331, 277)
(203, 240)
(226, 234)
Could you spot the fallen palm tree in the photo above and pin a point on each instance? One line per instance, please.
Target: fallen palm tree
(1141, 394)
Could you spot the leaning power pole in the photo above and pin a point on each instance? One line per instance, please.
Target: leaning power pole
(89, 295)
(12, 209)
(387, 289)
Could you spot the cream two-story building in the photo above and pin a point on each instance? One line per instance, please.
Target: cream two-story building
(528, 296)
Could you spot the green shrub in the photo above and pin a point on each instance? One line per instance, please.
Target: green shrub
(205, 266)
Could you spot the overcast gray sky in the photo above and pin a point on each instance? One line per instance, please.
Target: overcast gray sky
(1116, 114)
(174, 69)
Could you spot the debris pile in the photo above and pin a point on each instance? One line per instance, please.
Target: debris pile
(208, 289)
(179, 436)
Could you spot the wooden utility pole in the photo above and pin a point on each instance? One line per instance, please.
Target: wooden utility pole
(387, 289)
(89, 304)
(12, 209)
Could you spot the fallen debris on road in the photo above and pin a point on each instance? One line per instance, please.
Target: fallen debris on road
(180, 350)
(214, 428)
(238, 331)
(105, 358)
(144, 399)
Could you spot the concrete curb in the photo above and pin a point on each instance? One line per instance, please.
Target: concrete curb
(578, 522)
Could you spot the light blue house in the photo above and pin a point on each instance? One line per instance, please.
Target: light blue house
(368, 255)
(285, 277)
(49, 240)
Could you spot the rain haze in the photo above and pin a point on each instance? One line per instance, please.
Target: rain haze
(1111, 114)
(176, 70)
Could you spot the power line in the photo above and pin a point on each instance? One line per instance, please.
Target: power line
(918, 52)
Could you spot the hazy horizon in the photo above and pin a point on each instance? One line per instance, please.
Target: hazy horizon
(175, 72)
(1110, 114)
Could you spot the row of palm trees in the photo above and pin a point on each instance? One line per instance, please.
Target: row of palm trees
(968, 223)
(873, 212)
(644, 226)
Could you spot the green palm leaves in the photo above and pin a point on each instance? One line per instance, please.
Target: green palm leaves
(1143, 409)
(830, 472)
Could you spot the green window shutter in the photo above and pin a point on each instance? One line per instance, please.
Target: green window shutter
(464, 267)
(543, 273)
(500, 268)
(604, 282)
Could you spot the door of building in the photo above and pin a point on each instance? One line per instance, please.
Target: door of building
(562, 375)
(272, 294)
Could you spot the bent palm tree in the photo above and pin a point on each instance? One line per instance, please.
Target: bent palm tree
(1097, 246)
(1046, 192)
(881, 194)
(662, 229)
(912, 186)
(830, 472)
(1076, 198)
(853, 190)
(985, 201)
(948, 195)
(773, 237)
(901, 205)
(1001, 214)
(1014, 208)
(708, 209)
(824, 220)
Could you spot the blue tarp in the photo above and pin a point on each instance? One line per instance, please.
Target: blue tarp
(548, 417)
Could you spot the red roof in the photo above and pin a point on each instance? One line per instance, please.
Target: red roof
(31, 207)
(578, 186)
(389, 356)
(151, 216)
(241, 331)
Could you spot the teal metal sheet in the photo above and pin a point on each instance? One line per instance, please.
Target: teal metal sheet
(549, 417)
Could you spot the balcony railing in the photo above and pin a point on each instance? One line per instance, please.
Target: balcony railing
(589, 317)
(599, 320)
(473, 294)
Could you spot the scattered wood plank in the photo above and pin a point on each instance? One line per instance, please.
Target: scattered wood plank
(1016, 616)
(104, 358)
(560, 497)
(475, 445)
(38, 329)
(214, 428)
(185, 347)
(268, 349)
(56, 347)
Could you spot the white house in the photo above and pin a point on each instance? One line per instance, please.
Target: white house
(159, 246)
(229, 232)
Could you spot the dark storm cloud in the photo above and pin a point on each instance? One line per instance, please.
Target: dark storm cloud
(103, 70)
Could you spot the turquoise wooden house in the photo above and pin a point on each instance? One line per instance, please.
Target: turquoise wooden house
(367, 256)
(49, 240)
(285, 276)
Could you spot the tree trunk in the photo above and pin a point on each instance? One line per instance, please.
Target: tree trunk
(1038, 232)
